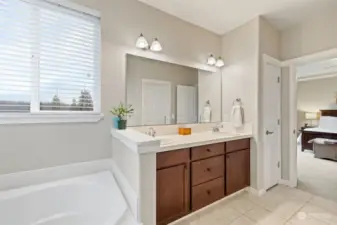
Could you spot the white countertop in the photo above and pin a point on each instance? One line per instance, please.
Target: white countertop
(142, 143)
(174, 142)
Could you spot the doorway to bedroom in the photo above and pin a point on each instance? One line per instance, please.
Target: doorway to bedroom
(317, 127)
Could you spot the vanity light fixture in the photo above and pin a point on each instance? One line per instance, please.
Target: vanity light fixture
(211, 60)
(143, 44)
(156, 46)
(219, 62)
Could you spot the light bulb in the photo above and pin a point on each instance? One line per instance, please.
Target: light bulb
(142, 42)
(219, 63)
(156, 46)
(211, 60)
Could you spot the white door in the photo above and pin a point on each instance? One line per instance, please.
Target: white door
(156, 105)
(272, 124)
(186, 104)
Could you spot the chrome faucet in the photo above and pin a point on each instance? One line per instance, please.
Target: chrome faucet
(217, 127)
(151, 132)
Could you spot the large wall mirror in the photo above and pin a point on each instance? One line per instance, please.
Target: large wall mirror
(162, 93)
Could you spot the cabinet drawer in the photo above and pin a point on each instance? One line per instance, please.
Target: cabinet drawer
(206, 193)
(207, 169)
(232, 146)
(207, 151)
(172, 158)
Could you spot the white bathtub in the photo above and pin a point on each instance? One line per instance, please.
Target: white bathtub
(88, 200)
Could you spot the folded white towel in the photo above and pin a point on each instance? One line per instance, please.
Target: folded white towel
(237, 116)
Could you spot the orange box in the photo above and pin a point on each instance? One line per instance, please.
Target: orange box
(184, 131)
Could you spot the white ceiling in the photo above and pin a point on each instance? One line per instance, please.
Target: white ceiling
(221, 16)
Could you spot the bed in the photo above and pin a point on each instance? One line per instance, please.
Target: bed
(327, 129)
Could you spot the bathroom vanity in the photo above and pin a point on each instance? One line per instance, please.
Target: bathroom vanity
(191, 178)
(168, 176)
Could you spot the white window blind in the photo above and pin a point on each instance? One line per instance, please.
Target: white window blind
(49, 58)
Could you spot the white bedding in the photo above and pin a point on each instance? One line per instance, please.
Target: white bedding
(321, 130)
(327, 124)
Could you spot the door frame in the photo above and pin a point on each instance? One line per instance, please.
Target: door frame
(268, 60)
(292, 64)
(153, 81)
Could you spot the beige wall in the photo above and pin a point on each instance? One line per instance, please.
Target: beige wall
(240, 80)
(314, 95)
(27, 147)
(316, 34)
(141, 68)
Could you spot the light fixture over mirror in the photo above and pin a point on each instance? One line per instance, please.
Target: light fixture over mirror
(142, 42)
(144, 45)
(156, 46)
(211, 60)
(219, 62)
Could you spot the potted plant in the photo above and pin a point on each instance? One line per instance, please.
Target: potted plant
(122, 112)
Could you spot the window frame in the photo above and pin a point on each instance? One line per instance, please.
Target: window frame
(35, 115)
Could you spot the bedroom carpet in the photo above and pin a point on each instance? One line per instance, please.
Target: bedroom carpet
(317, 176)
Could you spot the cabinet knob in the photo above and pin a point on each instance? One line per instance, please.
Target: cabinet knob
(208, 169)
(208, 192)
(208, 150)
(227, 156)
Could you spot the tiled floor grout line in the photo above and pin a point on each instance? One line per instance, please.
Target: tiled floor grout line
(243, 207)
(304, 204)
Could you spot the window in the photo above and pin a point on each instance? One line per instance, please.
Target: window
(49, 59)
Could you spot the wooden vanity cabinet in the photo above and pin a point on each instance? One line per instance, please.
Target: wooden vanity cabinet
(237, 165)
(190, 179)
(173, 185)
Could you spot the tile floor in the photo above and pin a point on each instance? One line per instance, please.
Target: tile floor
(279, 206)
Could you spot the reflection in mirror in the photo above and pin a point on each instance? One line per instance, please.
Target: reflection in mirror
(163, 93)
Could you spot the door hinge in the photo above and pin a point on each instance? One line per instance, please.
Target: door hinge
(278, 164)
(278, 79)
(278, 122)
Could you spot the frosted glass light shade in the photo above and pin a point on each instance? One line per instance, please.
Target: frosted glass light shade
(219, 62)
(142, 42)
(211, 60)
(156, 46)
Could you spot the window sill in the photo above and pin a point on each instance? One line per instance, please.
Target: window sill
(49, 118)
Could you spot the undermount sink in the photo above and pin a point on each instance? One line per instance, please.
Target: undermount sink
(226, 133)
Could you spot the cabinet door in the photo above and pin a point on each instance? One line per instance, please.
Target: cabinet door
(237, 171)
(172, 193)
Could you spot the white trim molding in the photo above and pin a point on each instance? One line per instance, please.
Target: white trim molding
(292, 63)
(331, 53)
(288, 183)
(41, 118)
(168, 59)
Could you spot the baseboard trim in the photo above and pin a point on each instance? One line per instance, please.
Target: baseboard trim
(255, 191)
(33, 177)
(287, 183)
